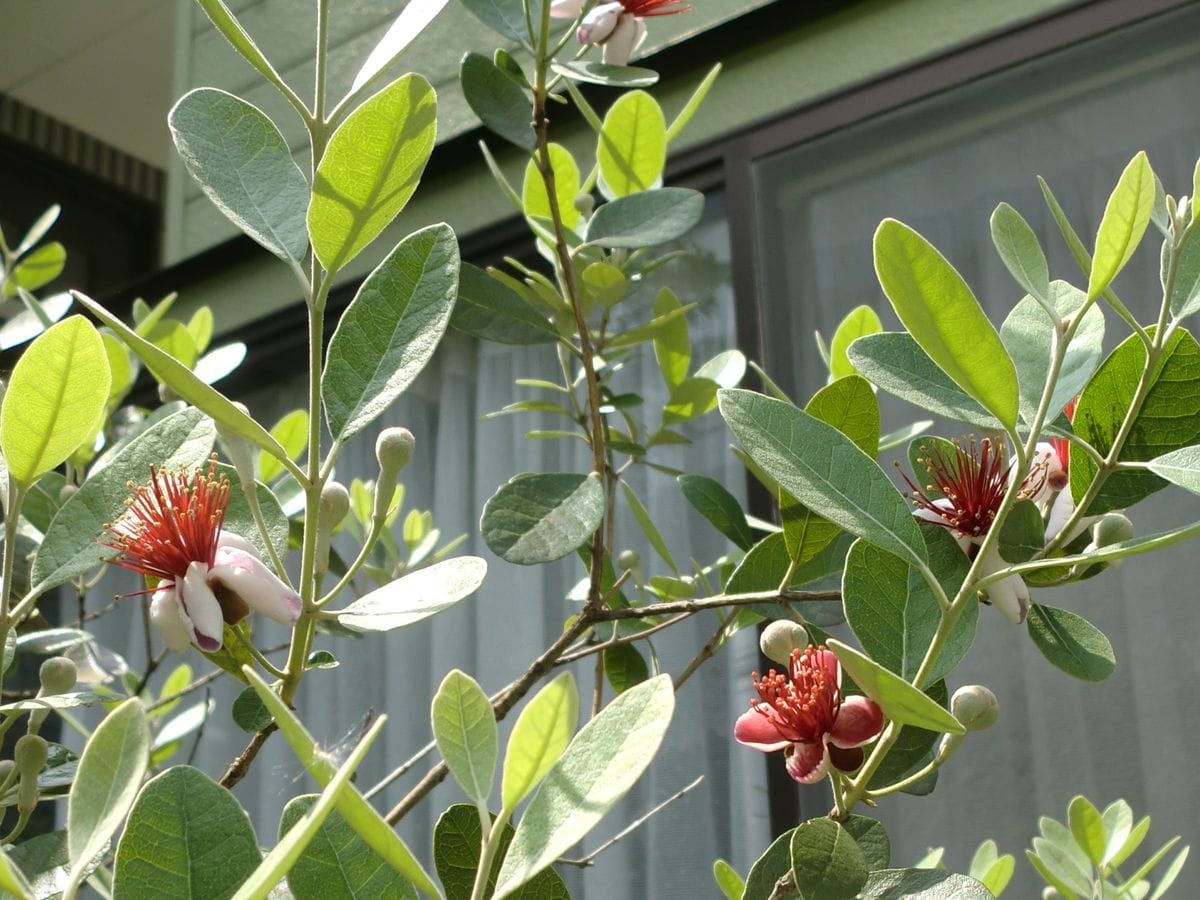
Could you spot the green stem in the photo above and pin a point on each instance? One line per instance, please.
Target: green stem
(250, 491)
(491, 843)
(248, 644)
(12, 518)
(377, 525)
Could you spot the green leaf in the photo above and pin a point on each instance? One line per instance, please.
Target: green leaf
(337, 864)
(370, 169)
(824, 470)
(711, 499)
(826, 862)
(412, 20)
(646, 219)
(872, 840)
(465, 730)
(624, 667)
(1021, 253)
(775, 862)
(415, 596)
(1181, 467)
(38, 230)
(1168, 420)
(943, 316)
(534, 198)
(505, 16)
(1125, 218)
(107, 779)
(893, 361)
(1028, 331)
(489, 309)
(899, 700)
(186, 837)
(285, 854)
(538, 739)
(608, 75)
(728, 880)
(860, 321)
(54, 400)
(538, 518)
(598, 767)
(229, 26)
(69, 548)
(245, 167)
(498, 102)
(1118, 825)
(12, 880)
(923, 884)
(292, 433)
(604, 283)
(672, 344)
(893, 612)
(632, 147)
(1023, 532)
(177, 376)
(39, 268)
(390, 330)
(690, 108)
(248, 712)
(1185, 292)
(1088, 828)
(457, 839)
(649, 529)
(362, 817)
(1171, 873)
(200, 328)
(1071, 642)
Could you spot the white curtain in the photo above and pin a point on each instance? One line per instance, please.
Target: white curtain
(942, 165)
(460, 462)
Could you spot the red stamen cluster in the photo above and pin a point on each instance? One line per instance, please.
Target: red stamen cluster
(973, 479)
(803, 703)
(644, 8)
(171, 522)
(1061, 445)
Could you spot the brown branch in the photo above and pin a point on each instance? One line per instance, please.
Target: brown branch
(241, 765)
(591, 649)
(720, 601)
(706, 653)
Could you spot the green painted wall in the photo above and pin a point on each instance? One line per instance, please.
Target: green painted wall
(841, 49)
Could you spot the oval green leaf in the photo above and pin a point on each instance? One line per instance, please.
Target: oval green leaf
(1071, 643)
(488, 309)
(1020, 251)
(923, 884)
(824, 470)
(538, 518)
(415, 596)
(245, 167)
(55, 398)
(598, 767)
(539, 737)
(646, 219)
(899, 700)
(943, 316)
(632, 147)
(872, 839)
(712, 500)
(1087, 827)
(464, 728)
(186, 837)
(497, 100)
(534, 198)
(859, 322)
(1123, 224)
(457, 839)
(370, 169)
(826, 862)
(390, 330)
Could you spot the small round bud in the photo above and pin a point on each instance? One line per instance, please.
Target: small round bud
(780, 638)
(30, 754)
(167, 394)
(975, 707)
(394, 449)
(57, 676)
(8, 774)
(1111, 529)
(1050, 893)
(628, 559)
(335, 502)
(66, 492)
(585, 203)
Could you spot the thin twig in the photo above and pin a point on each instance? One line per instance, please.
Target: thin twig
(241, 765)
(586, 861)
(598, 686)
(590, 649)
(207, 678)
(200, 731)
(718, 602)
(706, 653)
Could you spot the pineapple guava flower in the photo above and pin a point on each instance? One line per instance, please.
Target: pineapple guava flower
(1063, 506)
(205, 577)
(803, 713)
(618, 26)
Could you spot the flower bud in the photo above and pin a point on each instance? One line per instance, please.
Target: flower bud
(66, 492)
(1050, 893)
(975, 707)
(628, 559)
(30, 755)
(1111, 529)
(335, 503)
(8, 774)
(238, 449)
(394, 449)
(780, 638)
(585, 203)
(57, 676)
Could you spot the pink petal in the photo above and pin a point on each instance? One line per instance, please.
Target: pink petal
(758, 731)
(171, 622)
(825, 660)
(248, 577)
(859, 720)
(201, 606)
(566, 9)
(807, 763)
(599, 25)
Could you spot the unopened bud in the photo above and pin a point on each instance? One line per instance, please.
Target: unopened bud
(975, 707)
(335, 503)
(57, 676)
(238, 449)
(166, 394)
(394, 449)
(1111, 529)
(780, 638)
(30, 754)
(1050, 893)
(66, 492)
(8, 774)
(628, 559)
(585, 203)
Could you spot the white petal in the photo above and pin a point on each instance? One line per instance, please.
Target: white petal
(1061, 510)
(566, 9)
(201, 606)
(235, 541)
(247, 576)
(1010, 595)
(624, 40)
(172, 623)
(598, 25)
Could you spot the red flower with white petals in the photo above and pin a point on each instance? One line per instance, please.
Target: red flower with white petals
(204, 577)
(617, 25)
(803, 713)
